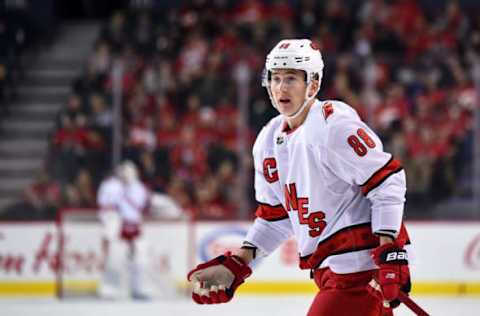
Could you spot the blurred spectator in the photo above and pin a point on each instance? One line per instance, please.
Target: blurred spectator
(73, 110)
(144, 33)
(100, 61)
(209, 203)
(158, 78)
(101, 116)
(191, 60)
(90, 82)
(81, 192)
(115, 33)
(188, 156)
(40, 201)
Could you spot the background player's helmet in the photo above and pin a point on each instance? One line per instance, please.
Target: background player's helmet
(127, 171)
(301, 54)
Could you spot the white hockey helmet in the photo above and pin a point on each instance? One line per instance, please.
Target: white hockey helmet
(127, 171)
(300, 54)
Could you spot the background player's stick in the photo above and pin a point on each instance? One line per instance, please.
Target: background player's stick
(405, 299)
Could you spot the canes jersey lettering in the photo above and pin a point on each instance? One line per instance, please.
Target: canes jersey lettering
(330, 184)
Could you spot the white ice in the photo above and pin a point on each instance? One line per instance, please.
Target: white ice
(242, 305)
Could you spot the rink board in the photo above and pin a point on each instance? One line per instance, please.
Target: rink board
(447, 257)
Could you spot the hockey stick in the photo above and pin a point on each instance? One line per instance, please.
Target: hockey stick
(405, 299)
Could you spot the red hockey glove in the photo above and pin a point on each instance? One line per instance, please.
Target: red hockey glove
(393, 273)
(215, 281)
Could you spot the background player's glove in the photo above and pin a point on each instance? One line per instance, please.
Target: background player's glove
(393, 274)
(215, 281)
(130, 230)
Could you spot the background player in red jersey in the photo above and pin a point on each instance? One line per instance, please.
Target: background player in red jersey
(322, 176)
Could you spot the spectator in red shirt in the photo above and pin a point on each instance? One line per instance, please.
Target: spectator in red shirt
(188, 157)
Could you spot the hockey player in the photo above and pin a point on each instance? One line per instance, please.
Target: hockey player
(122, 199)
(321, 175)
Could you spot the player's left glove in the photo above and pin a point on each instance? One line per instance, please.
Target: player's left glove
(215, 281)
(393, 273)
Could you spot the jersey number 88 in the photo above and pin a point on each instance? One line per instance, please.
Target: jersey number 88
(357, 145)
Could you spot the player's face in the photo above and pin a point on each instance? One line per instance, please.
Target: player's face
(288, 89)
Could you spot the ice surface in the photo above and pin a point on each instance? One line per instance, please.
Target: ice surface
(242, 305)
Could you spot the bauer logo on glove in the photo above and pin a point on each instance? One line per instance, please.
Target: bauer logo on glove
(392, 256)
(393, 273)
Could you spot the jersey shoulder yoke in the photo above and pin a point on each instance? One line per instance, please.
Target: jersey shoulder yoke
(334, 111)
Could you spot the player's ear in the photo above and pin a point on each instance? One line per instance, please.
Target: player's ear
(313, 87)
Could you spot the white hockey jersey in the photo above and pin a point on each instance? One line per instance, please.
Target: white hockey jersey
(329, 183)
(128, 199)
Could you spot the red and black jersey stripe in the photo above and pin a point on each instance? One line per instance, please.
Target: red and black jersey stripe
(271, 212)
(348, 239)
(391, 167)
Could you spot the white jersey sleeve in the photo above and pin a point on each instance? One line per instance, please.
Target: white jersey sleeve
(272, 225)
(109, 192)
(133, 201)
(355, 154)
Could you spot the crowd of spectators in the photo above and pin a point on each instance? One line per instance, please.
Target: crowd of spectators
(405, 69)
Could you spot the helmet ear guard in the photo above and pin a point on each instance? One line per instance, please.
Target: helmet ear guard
(266, 77)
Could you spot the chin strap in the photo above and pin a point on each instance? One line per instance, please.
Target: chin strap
(304, 105)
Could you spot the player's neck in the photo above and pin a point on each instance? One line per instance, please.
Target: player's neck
(297, 121)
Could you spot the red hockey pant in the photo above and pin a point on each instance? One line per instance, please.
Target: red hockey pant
(345, 295)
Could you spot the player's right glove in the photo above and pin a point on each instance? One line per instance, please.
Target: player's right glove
(215, 281)
(393, 273)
